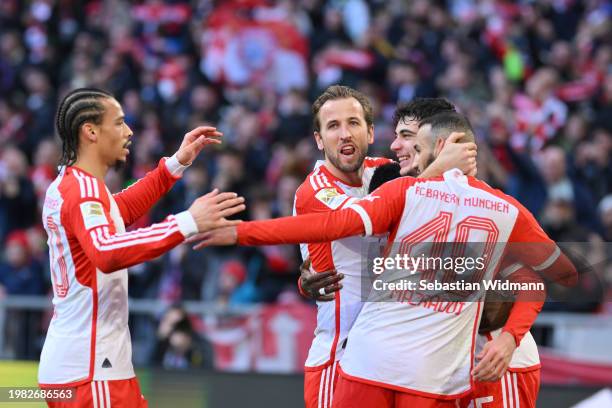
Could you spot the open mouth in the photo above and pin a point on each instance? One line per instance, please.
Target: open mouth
(127, 144)
(348, 150)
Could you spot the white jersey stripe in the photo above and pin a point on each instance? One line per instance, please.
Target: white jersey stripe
(159, 226)
(96, 189)
(79, 177)
(503, 385)
(333, 376)
(107, 239)
(94, 394)
(312, 182)
(510, 387)
(549, 261)
(320, 404)
(365, 218)
(326, 388)
(107, 394)
(108, 247)
(516, 395)
(320, 181)
(510, 270)
(89, 186)
(326, 182)
(105, 236)
(100, 394)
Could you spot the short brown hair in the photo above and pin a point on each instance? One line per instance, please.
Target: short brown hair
(335, 92)
(444, 123)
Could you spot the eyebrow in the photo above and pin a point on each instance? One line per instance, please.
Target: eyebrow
(118, 118)
(406, 132)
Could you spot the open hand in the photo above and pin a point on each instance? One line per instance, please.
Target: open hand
(194, 142)
(211, 210)
(454, 155)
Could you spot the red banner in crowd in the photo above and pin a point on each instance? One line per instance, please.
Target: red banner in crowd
(274, 339)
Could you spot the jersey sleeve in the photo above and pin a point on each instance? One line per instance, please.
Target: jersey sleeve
(136, 200)
(373, 214)
(527, 304)
(532, 247)
(383, 208)
(309, 228)
(110, 250)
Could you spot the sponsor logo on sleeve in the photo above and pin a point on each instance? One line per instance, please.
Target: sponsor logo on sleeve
(330, 197)
(93, 214)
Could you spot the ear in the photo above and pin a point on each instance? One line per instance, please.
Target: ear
(439, 144)
(319, 140)
(90, 132)
(371, 134)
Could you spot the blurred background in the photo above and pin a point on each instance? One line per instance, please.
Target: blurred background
(534, 77)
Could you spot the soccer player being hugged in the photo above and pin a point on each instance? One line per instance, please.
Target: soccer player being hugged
(417, 355)
(507, 357)
(88, 345)
(343, 130)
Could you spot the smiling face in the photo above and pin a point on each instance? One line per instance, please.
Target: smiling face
(113, 134)
(403, 144)
(344, 134)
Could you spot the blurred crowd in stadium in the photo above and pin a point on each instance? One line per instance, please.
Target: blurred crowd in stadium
(534, 77)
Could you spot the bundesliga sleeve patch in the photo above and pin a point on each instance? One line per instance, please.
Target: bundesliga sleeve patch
(93, 214)
(330, 197)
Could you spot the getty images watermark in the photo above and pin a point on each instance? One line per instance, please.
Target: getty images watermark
(460, 272)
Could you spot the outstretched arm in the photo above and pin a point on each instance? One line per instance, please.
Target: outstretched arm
(110, 250)
(321, 227)
(373, 214)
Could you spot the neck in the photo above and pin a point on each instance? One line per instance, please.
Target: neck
(87, 161)
(353, 178)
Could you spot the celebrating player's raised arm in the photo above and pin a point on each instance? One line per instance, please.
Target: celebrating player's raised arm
(136, 200)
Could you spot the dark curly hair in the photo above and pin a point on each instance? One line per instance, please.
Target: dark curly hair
(421, 108)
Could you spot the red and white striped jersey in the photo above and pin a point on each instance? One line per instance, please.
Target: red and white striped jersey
(88, 337)
(417, 345)
(323, 192)
(427, 347)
